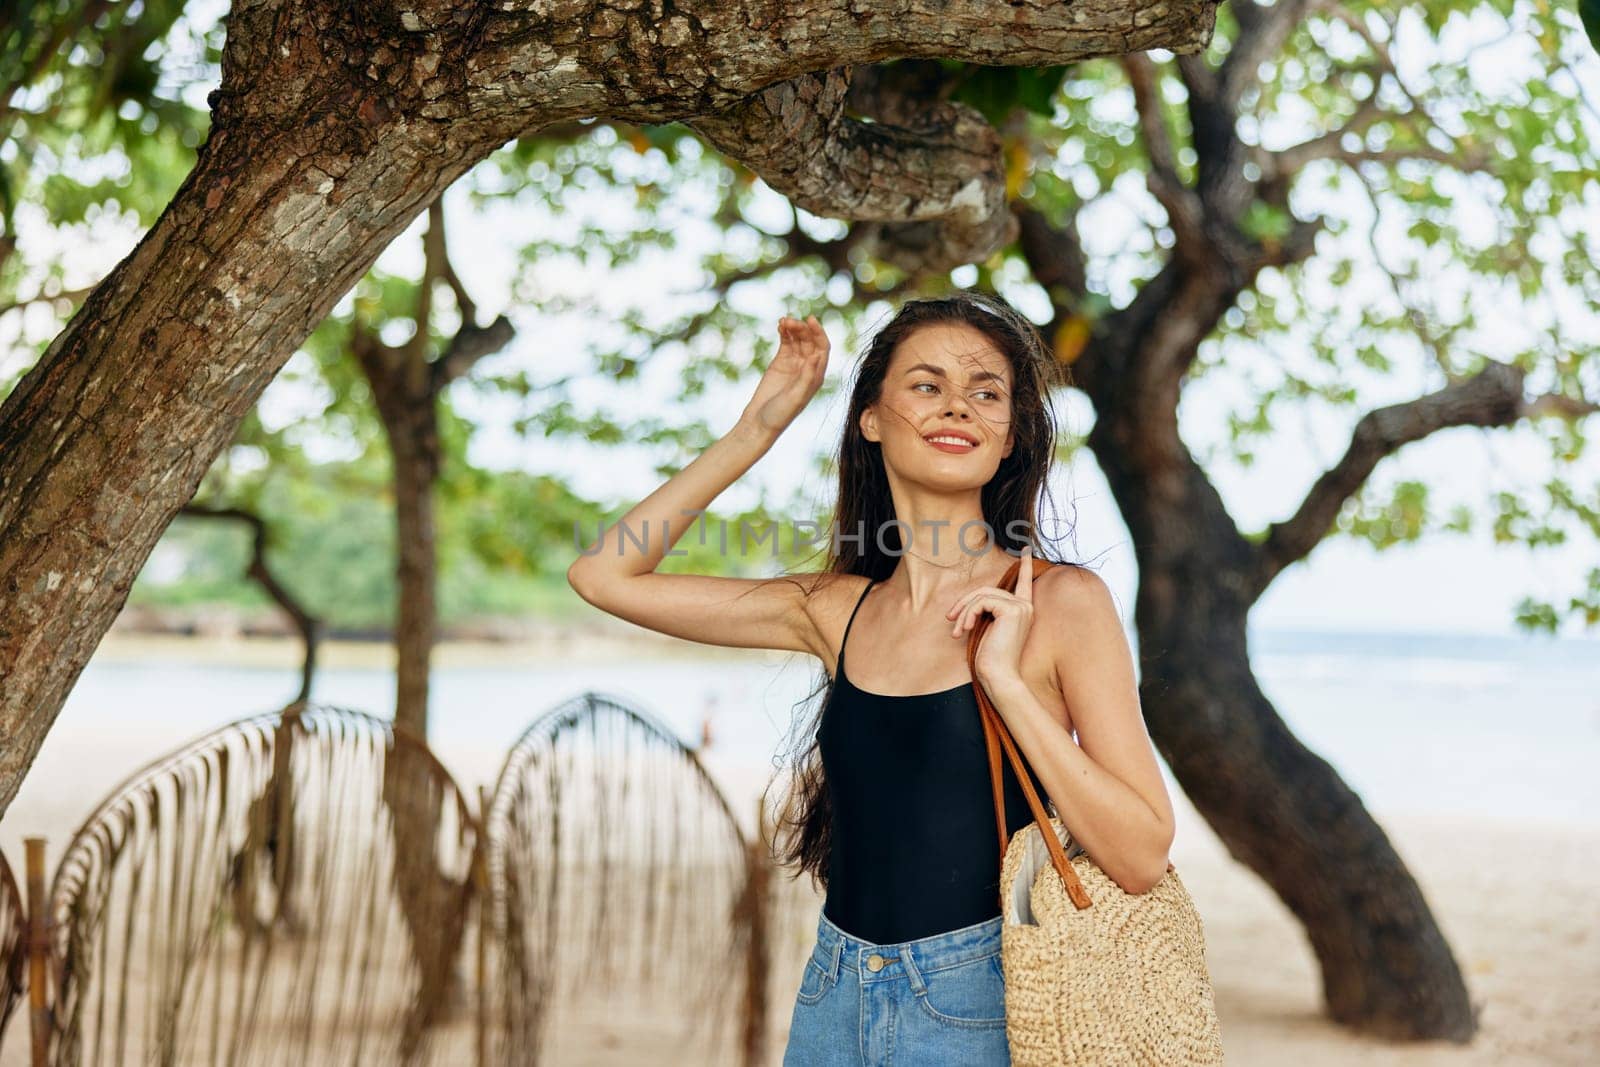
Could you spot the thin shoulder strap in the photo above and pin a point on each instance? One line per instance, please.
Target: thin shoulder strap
(997, 736)
(843, 640)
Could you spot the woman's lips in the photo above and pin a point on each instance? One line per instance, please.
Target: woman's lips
(946, 443)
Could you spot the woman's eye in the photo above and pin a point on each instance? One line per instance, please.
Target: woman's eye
(988, 394)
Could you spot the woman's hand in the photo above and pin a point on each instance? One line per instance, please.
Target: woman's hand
(792, 378)
(999, 658)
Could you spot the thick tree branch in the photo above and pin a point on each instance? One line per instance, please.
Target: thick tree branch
(380, 361)
(900, 93)
(942, 185)
(527, 61)
(1214, 98)
(1492, 397)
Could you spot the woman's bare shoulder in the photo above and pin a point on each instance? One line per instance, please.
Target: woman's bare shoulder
(830, 597)
(829, 592)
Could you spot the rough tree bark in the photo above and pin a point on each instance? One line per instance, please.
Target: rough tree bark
(333, 127)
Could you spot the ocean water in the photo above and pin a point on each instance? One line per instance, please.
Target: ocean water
(1430, 724)
(1446, 724)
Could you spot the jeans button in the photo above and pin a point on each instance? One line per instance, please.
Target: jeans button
(874, 963)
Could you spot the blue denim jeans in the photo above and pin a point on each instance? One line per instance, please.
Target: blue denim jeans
(934, 1001)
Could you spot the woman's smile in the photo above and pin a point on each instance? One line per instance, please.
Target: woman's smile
(954, 442)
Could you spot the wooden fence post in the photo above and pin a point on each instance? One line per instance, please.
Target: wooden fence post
(758, 956)
(485, 919)
(38, 952)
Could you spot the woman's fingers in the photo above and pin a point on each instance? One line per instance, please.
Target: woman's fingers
(808, 332)
(805, 337)
(1024, 590)
(962, 600)
(962, 620)
(982, 590)
(969, 617)
(999, 602)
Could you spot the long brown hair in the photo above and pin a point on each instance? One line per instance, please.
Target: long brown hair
(803, 838)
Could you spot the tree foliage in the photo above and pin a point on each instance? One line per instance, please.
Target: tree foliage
(1452, 190)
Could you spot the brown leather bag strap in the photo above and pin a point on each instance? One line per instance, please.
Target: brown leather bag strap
(997, 735)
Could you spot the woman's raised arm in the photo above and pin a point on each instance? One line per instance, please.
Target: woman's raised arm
(619, 575)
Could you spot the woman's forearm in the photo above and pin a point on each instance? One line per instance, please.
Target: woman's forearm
(638, 542)
(1106, 815)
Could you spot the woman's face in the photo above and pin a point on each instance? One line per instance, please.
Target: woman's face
(943, 417)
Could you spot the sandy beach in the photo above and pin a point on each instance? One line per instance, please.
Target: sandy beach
(1526, 935)
(1515, 901)
(1514, 898)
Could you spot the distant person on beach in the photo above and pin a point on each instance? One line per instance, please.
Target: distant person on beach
(947, 446)
(709, 714)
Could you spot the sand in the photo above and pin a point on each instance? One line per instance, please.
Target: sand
(1515, 901)
(1526, 935)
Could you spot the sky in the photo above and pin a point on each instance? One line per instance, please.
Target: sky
(1448, 583)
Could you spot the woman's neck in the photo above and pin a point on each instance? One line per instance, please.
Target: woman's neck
(925, 576)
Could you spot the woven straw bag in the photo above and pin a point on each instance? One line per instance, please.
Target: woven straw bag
(1094, 975)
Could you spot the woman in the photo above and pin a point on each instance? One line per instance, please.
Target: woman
(947, 445)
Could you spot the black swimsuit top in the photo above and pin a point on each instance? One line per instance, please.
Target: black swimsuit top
(914, 851)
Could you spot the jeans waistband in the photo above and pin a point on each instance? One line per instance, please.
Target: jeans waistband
(836, 949)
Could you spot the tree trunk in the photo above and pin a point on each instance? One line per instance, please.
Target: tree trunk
(1279, 808)
(416, 618)
(433, 906)
(107, 439)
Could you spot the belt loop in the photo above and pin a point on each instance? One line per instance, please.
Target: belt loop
(917, 984)
(838, 952)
